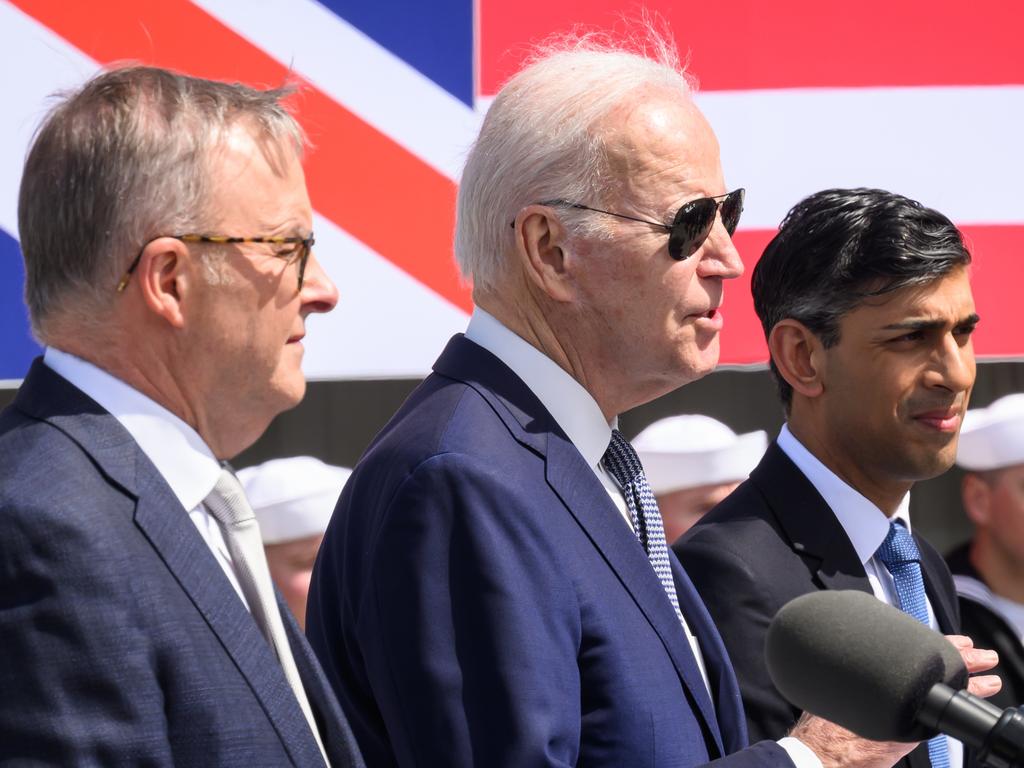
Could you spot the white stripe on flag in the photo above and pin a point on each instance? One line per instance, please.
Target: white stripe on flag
(386, 324)
(45, 64)
(954, 149)
(358, 73)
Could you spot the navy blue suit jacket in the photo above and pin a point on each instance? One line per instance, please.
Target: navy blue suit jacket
(479, 600)
(121, 640)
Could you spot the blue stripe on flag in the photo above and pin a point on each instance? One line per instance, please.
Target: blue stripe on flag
(436, 37)
(17, 347)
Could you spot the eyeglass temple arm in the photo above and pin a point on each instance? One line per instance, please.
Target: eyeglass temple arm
(580, 206)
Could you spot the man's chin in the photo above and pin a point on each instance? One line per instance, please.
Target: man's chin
(289, 392)
(932, 464)
(295, 394)
(703, 363)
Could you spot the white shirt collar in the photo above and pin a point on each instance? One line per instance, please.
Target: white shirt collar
(177, 451)
(573, 408)
(865, 524)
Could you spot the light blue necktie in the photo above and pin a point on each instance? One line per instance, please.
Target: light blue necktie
(901, 556)
(624, 465)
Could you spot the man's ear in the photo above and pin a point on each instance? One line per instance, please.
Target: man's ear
(799, 356)
(975, 495)
(541, 249)
(165, 273)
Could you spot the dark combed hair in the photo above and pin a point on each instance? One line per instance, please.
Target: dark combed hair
(840, 246)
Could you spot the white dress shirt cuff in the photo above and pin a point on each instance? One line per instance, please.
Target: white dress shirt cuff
(801, 755)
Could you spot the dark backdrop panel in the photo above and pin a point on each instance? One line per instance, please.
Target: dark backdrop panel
(338, 419)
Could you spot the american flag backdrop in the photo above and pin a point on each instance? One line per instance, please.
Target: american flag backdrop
(924, 97)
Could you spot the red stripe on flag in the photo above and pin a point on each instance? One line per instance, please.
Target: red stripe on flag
(995, 276)
(359, 178)
(996, 252)
(748, 44)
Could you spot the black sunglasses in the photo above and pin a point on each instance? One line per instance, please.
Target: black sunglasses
(692, 223)
(300, 253)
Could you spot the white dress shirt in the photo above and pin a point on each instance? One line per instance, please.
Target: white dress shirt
(866, 526)
(580, 417)
(177, 451)
(572, 406)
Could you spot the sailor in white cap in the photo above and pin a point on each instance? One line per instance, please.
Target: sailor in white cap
(989, 569)
(692, 462)
(293, 500)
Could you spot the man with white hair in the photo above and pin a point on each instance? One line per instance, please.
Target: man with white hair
(293, 499)
(495, 588)
(165, 226)
(692, 462)
(989, 569)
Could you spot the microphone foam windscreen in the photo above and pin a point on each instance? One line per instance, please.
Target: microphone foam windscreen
(850, 658)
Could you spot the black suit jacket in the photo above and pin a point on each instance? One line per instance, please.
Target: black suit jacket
(773, 539)
(123, 643)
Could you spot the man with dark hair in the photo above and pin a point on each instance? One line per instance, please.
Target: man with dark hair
(866, 305)
(165, 227)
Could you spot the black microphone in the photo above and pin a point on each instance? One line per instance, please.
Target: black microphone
(850, 658)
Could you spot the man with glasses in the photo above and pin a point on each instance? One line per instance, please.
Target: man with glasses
(495, 587)
(165, 226)
(866, 304)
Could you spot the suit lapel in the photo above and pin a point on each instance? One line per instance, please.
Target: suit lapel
(937, 586)
(339, 741)
(162, 520)
(731, 720)
(166, 525)
(587, 501)
(810, 525)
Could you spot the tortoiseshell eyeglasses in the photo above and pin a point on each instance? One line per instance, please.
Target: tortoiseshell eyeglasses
(299, 254)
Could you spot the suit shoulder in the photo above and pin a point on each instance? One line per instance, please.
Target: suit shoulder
(442, 416)
(743, 519)
(55, 504)
(39, 461)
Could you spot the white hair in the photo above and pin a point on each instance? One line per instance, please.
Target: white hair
(542, 139)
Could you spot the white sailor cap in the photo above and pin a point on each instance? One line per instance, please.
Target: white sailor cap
(292, 498)
(693, 450)
(993, 437)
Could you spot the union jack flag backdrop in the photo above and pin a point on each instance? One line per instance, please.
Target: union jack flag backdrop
(923, 97)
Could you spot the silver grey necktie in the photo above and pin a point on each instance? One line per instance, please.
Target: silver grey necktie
(227, 503)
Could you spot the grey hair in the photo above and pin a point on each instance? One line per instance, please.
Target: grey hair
(119, 161)
(542, 139)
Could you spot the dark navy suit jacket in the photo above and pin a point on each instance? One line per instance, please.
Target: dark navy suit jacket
(479, 600)
(773, 539)
(121, 640)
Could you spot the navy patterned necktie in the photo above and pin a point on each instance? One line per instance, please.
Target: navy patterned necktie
(901, 556)
(624, 465)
